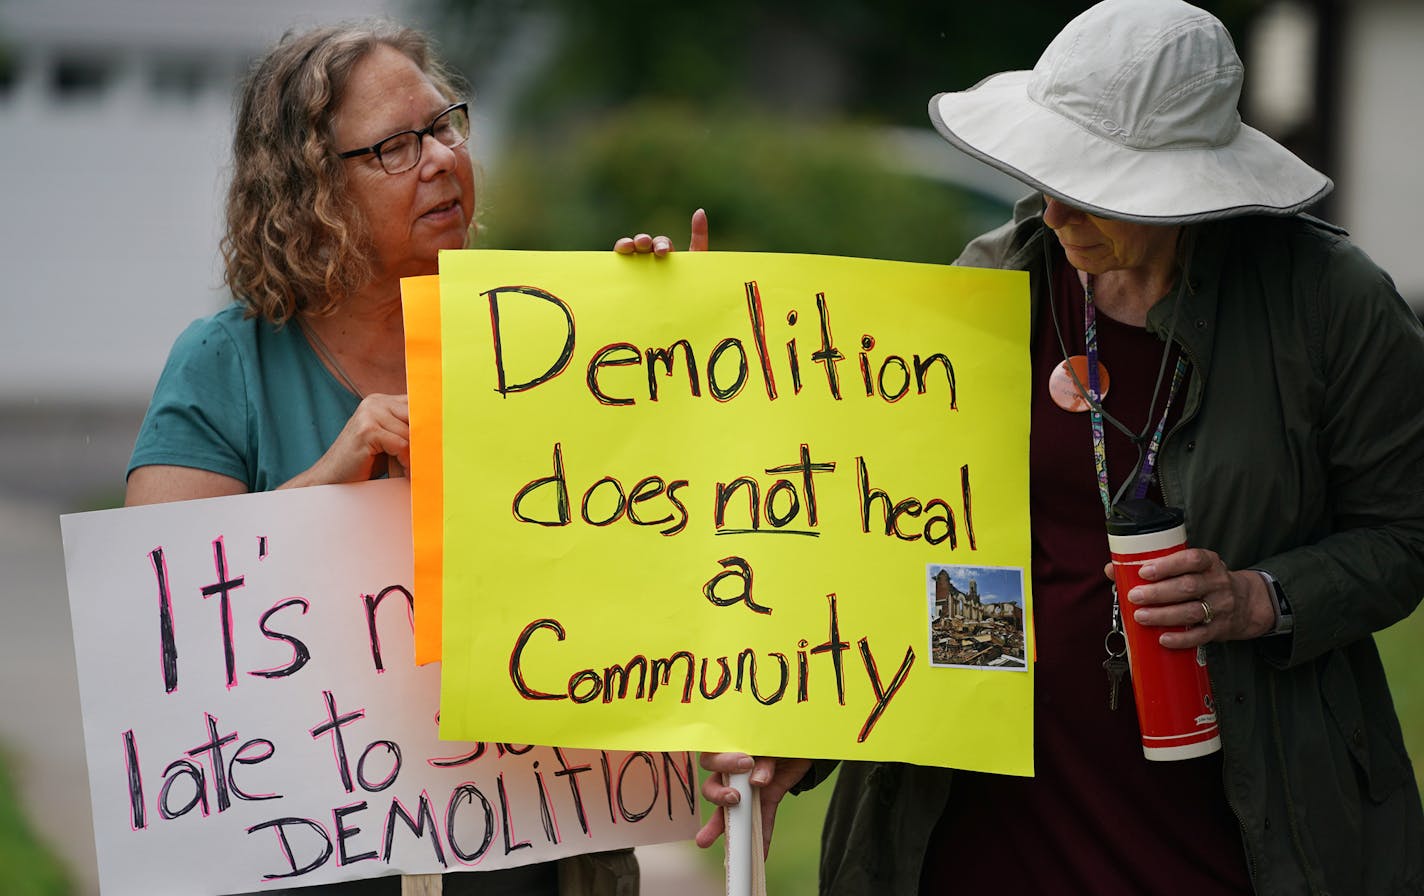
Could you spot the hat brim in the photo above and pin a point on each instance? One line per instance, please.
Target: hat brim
(996, 122)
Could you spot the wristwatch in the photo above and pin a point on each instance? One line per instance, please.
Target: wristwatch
(1285, 617)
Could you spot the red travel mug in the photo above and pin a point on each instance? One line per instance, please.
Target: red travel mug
(1175, 709)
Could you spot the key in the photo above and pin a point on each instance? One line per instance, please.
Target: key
(1116, 667)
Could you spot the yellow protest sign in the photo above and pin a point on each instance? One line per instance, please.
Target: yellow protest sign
(738, 501)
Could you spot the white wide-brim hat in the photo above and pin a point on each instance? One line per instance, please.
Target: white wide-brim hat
(1131, 114)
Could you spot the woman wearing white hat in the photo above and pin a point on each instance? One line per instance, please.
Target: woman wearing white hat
(1251, 367)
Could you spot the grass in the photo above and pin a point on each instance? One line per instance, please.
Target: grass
(792, 867)
(1399, 646)
(27, 866)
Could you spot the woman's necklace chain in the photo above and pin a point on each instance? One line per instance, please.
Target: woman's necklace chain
(330, 359)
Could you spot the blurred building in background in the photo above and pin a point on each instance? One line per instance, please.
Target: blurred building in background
(116, 116)
(1379, 128)
(1338, 82)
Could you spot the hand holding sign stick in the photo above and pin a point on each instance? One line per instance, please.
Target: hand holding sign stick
(746, 868)
(748, 791)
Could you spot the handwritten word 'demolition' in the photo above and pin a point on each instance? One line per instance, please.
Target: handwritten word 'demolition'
(727, 368)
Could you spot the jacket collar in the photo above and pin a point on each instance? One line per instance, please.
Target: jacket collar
(1193, 299)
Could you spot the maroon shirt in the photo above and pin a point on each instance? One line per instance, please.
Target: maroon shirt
(1098, 818)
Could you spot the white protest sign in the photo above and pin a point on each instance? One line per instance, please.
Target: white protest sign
(253, 716)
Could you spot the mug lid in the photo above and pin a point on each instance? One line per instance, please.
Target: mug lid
(1142, 516)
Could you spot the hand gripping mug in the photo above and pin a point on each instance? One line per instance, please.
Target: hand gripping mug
(1175, 709)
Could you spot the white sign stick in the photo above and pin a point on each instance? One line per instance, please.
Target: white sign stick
(746, 861)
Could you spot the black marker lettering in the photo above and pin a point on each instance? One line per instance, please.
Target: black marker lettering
(424, 818)
(827, 355)
(285, 844)
(372, 603)
(502, 384)
(467, 794)
(224, 587)
(883, 694)
(168, 643)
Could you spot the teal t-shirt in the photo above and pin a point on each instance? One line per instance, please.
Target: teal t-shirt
(245, 399)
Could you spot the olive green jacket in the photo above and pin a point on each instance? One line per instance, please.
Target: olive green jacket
(1300, 452)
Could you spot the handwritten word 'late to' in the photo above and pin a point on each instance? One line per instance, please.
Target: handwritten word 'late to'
(211, 776)
(727, 367)
(646, 676)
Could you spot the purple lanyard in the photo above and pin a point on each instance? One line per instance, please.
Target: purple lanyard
(1100, 453)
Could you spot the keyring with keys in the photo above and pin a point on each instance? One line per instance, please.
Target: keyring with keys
(1115, 644)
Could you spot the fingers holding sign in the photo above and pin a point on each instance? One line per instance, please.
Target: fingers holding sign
(700, 241)
(775, 777)
(379, 431)
(659, 246)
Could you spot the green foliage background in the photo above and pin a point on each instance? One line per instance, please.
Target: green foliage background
(27, 866)
(871, 60)
(1399, 646)
(766, 187)
(771, 116)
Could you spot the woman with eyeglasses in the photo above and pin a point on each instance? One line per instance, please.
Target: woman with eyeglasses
(350, 171)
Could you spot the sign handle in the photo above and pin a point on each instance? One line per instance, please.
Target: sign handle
(746, 861)
(421, 885)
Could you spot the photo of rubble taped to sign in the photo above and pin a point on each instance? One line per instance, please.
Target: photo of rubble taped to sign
(976, 616)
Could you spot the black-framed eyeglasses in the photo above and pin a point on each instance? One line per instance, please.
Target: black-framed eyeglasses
(399, 153)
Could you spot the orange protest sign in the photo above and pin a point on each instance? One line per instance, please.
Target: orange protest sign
(420, 297)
